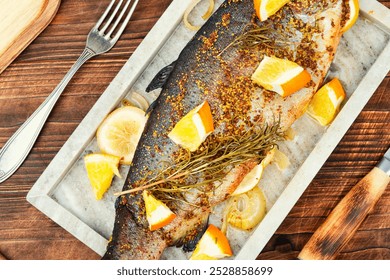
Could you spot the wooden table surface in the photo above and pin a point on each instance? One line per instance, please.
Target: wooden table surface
(26, 233)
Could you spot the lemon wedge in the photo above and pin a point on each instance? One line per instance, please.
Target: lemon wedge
(250, 180)
(120, 132)
(100, 170)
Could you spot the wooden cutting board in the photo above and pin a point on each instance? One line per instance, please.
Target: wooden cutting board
(21, 21)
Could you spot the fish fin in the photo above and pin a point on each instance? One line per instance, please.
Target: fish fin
(151, 107)
(158, 82)
(161, 78)
(190, 245)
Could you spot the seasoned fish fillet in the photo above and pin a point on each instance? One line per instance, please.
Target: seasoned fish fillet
(211, 68)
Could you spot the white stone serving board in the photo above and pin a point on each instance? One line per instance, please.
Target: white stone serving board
(63, 192)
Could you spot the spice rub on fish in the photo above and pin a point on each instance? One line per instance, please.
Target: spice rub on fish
(216, 66)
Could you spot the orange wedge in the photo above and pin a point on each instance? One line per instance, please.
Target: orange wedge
(193, 128)
(353, 15)
(100, 170)
(266, 8)
(157, 213)
(281, 76)
(212, 245)
(326, 102)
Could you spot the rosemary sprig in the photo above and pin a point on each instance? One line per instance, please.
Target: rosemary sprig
(251, 38)
(211, 163)
(267, 36)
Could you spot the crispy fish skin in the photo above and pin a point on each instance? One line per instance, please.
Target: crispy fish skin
(204, 72)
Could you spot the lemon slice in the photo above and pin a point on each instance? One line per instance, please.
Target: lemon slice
(157, 213)
(326, 102)
(100, 170)
(250, 180)
(193, 128)
(247, 210)
(266, 8)
(120, 132)
(281, 76)
(353, 15)
(212, 245)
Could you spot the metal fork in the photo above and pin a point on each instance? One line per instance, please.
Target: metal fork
(101, 39)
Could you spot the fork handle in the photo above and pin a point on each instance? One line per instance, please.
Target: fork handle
(16, 149)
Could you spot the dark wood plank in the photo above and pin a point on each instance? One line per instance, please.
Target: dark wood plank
(26, 233)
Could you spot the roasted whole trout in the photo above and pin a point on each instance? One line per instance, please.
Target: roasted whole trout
(213, 67)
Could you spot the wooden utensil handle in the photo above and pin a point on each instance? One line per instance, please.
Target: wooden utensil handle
(345, 219)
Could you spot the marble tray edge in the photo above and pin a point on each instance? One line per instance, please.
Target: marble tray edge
(39, 195)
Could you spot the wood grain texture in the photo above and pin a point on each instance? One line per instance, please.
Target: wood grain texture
(24, 34)
(26, 233)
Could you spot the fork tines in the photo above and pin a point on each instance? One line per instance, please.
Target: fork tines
(113, 10)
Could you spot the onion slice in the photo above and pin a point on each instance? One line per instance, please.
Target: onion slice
(244, 211)
(289, 134)
(205, 16)
(281, 160)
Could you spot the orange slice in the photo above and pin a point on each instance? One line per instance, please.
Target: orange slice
(157, 213)
(193, 128)
(100, 170)
(326, 102)
(353, 15)
(120, 132)
(247, 210)
(281, 76)
(212, 245)
(266, 8)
